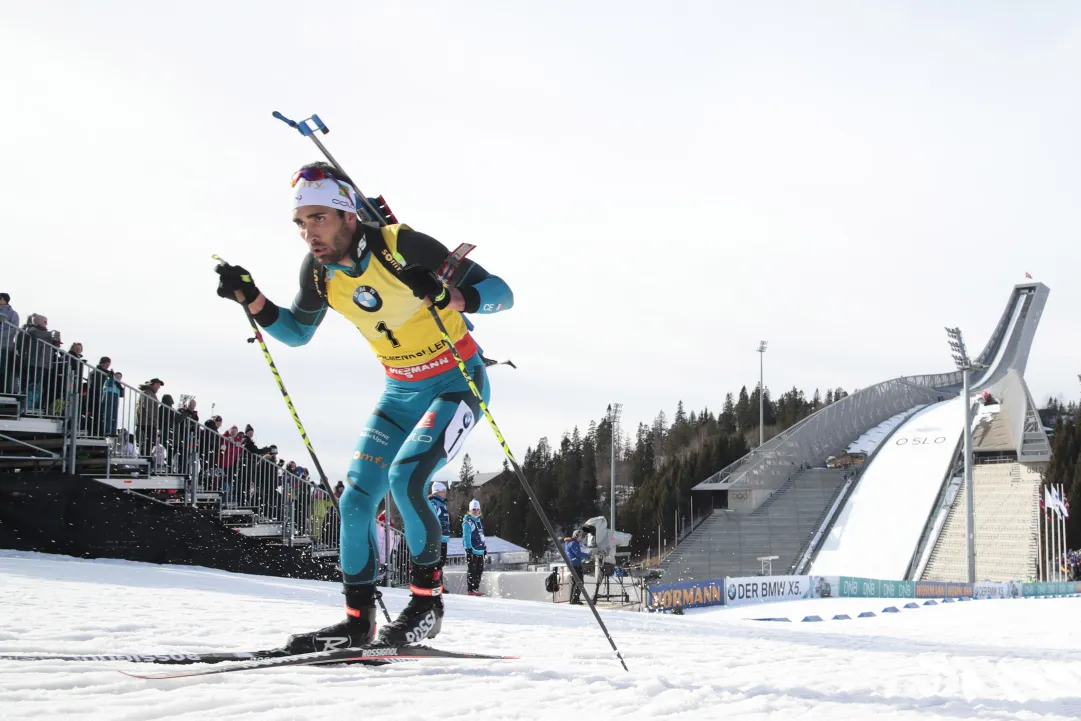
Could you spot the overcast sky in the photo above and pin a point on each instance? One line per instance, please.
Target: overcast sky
(662, 185)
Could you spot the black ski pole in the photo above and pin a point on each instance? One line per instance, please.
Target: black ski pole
(308, 132)
(323, 480)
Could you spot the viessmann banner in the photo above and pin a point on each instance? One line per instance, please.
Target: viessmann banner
(688, 594)
(763, 589)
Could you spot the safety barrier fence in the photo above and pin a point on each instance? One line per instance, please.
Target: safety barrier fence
(769, 589)
(86, 419)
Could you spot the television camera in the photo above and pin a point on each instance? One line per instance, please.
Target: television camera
(603, 545)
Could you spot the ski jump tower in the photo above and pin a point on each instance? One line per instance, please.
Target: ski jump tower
(779, 500)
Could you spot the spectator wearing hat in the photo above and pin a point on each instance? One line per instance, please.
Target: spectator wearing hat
(475, 547)
(230, 451)
(95, 395)
(111, 393)
(146, 415)
(40, 354)
(437, 499)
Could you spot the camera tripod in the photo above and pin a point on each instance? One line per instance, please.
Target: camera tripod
(604, 573)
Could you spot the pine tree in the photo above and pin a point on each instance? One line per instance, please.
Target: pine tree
(743, 411)
(727, 419)
(463, 489)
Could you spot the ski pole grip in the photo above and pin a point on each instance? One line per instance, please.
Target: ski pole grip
(287, 121)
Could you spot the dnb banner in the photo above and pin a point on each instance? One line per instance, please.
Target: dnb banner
(688, 594)
(762, 589)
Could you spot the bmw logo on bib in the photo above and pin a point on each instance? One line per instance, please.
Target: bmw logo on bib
(367, 298)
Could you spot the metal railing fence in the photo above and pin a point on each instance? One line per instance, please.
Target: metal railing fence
(122, 430)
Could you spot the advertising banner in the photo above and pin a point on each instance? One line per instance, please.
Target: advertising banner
(687, 594)
(958, 590)
(991, 590)
(852, 587)
(931, 589)
(765, 589)
(825, 586)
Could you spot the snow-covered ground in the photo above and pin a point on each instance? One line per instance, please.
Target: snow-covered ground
(868, 442)
(1012, 659)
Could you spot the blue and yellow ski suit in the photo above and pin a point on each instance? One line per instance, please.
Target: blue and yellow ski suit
(426, 410)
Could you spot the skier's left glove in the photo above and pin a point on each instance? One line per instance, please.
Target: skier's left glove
(425, 284)
(233, 279)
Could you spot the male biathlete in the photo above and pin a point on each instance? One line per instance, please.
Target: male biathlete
(383, 279)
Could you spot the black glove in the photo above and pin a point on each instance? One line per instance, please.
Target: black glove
(425, 284)
(234, 278)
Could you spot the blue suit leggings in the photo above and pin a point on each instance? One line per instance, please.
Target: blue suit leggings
(415, 429)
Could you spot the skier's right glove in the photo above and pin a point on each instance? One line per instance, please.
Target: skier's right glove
(234, 278)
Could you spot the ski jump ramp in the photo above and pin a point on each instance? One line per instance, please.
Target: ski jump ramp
(879, 528)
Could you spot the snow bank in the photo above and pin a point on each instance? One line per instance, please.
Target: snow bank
(975, 660)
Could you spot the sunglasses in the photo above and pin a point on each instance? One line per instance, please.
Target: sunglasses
(312, 174)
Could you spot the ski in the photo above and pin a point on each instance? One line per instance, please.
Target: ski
(158, 658)
(369, 655)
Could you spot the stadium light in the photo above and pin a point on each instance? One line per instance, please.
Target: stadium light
(761, 393)
(613, 422)
(966, 365)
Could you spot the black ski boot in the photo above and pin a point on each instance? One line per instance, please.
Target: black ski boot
(358, 628)
(423, 617)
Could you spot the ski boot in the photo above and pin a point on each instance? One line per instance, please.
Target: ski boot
(423, 617)
(358, 628)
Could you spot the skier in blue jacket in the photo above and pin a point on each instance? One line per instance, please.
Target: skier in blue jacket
(473, 541)
(437, 499)
(573, 547)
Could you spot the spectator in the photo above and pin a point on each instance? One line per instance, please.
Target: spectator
(249, 443)
(166, 425)
(67, 378)
(210, 452)
(339, 489)
(95, 396)
(437, 499)
(230, 450)
(40, 354)
(7, 344)
(475, 547)
(321, 505)
(111, 393)
(266, 484)
(159, 456)
(129, 447)
(381, 538)
(573, 547)
(146, 415)
(187, 427)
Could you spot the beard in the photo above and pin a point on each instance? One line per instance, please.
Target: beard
(339, 247)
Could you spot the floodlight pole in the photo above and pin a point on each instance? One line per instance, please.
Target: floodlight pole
(970, 517)
(761, 393)
(966, 366)
(613, 421)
